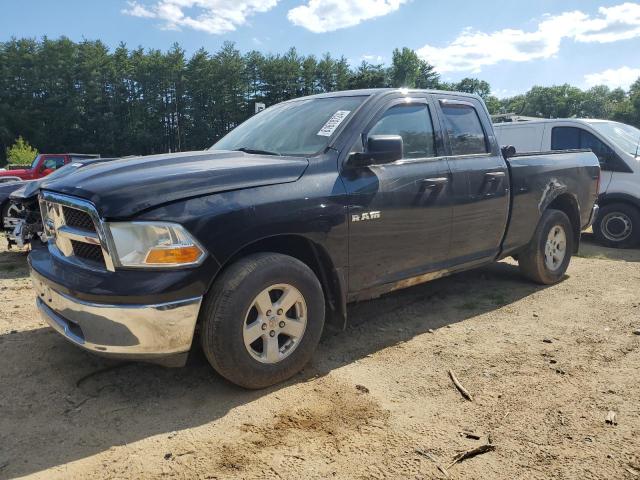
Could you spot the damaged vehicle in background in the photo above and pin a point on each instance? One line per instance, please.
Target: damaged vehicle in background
(19, 209)
(308, 205)
(10, 212)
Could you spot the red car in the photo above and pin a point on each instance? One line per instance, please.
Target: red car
(44, 164)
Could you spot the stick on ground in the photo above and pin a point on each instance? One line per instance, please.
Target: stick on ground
(472, 453)
(432, 458)
(459, 386)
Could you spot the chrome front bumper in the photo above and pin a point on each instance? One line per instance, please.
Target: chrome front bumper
(136, 332)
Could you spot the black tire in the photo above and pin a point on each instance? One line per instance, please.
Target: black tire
(618, 226)
(532, 260)
(225, 309)
(4, 213)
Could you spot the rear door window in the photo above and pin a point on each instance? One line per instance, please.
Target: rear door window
(464, 129)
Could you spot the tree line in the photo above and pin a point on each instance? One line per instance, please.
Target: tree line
(65, 96)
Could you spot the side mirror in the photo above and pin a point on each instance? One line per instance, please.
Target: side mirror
(380, 149)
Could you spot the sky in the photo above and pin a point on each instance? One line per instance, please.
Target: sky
(512, 44)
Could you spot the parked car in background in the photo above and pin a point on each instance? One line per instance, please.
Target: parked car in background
(308, 205)
(9, 180)
(617, 147)
(44, 164)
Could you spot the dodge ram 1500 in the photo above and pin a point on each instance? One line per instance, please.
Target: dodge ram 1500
(308, 205)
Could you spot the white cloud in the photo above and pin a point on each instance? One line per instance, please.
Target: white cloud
(321, 16)
(373, 59)
(613, 77)
(621, 22)
(210, 16)
(506, 92)
(472, 50)
(136, 10)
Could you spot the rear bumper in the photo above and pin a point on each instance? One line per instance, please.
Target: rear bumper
(161, 332)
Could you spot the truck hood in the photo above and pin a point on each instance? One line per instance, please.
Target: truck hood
(121, 188)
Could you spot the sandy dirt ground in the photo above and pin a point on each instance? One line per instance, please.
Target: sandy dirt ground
(544, 367)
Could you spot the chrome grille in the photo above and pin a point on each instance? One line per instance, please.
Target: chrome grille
(75, 230)
(87, 251)
(77, 218)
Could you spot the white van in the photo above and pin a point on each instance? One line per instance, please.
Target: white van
(616, 145)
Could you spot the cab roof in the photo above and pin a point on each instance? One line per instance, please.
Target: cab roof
(538, 121)
(380, 92)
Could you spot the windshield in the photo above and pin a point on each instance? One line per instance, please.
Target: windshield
(301, 127)
(624, 136)
(34, 164)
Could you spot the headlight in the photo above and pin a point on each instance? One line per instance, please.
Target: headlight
(154, 244)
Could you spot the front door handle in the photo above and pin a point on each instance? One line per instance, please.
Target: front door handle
(435, 186)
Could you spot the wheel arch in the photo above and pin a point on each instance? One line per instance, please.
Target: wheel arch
(607, 199)
(567, 203)
(315, 257)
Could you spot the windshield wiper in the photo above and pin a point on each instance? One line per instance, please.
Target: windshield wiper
(256, 151)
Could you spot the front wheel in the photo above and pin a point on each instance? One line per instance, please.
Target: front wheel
(262, 319)
(618, 226)
(547, 257)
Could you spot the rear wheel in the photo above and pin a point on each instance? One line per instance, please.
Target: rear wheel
(547, 257)
(262, 320)
(618, 226)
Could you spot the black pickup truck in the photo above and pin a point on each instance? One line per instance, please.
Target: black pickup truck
(311, 204)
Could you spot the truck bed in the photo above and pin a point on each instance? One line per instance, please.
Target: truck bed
(538, 179)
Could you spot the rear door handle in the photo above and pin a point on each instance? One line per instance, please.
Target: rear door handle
(492, 178)
(435, 181)
(492, 181)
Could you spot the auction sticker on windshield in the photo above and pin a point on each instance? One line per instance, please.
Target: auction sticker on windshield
(333, 123)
